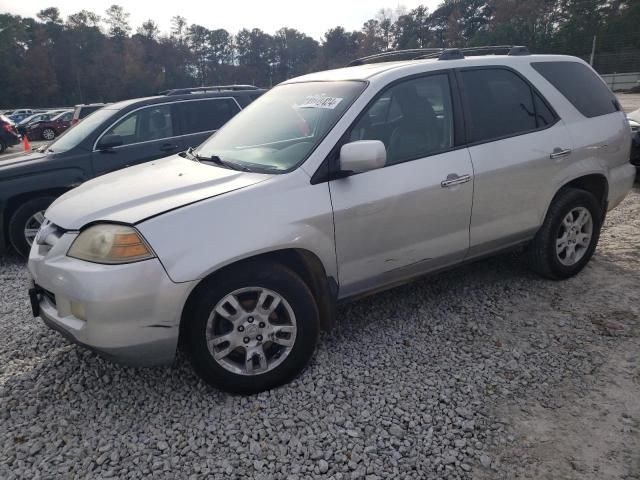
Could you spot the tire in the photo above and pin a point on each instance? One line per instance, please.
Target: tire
(281, 363)
(550, 244)
(3, 146)
(48, 134)
(21, 217)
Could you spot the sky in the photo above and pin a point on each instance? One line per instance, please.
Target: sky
(312, 18)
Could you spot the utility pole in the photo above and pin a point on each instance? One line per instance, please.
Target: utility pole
(593, 51)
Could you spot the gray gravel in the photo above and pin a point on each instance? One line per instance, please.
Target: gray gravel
(414, 383)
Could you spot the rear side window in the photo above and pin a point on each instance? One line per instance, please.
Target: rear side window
(206, 115)
(580, 85)
(501, 104)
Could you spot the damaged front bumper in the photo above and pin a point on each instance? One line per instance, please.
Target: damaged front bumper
(129, 313)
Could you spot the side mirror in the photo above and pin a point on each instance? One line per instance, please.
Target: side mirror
(362, 156)
(109, 141)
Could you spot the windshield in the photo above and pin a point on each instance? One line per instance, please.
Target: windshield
(279, 130)
(79, 132)
(6, 119)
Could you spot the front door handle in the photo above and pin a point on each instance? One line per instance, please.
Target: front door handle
(559, 153)
(167, 147)
(454, 179)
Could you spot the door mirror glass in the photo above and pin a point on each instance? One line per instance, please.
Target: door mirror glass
(362, 155)
(109, 141)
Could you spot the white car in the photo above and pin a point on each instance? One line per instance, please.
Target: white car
(331, 186)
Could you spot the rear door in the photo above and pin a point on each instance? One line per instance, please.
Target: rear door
(147, 133)
(199, 119)
(517, 144)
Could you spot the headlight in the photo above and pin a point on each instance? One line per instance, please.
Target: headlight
(635, 126)
(110, 243)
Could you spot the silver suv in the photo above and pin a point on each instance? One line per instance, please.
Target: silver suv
(331, 186)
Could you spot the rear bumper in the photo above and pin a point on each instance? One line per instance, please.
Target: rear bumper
(11, 139)
(621, 180)
(128, 313)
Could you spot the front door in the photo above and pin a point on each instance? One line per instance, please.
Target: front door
(147, 134)
(413, 215)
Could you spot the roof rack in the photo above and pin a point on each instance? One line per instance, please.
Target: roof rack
(440, 53)
(414, 52)
(211, 88)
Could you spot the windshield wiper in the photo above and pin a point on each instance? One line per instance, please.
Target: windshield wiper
(213, 159)
(218, 161)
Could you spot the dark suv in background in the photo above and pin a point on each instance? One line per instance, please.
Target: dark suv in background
(116, 136)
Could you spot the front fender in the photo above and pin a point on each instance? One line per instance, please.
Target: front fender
(283, 212)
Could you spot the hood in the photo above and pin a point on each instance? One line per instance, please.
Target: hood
(10, 165)
(634, 115)
(133, 194)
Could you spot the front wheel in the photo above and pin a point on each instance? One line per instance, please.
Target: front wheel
(569, 235)
(253, 328)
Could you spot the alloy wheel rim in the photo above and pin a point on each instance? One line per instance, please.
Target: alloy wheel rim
(574, 236)
(48, 134)
(32, 226)
(251, 331)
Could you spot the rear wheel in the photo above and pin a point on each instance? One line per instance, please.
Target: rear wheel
(25, 223)
(48, 134)
(569, 235)
(253, 329)
(3, 146)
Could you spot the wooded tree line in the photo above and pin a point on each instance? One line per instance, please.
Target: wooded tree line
(90, 57)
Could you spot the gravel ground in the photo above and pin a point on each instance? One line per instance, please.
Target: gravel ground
(483, 372)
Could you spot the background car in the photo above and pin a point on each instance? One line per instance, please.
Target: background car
(634, 123)
(81, 111)
(50, 129)
(9, 135)
(114, 137)
(32, 119)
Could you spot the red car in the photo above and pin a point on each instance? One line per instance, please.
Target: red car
(50, 129)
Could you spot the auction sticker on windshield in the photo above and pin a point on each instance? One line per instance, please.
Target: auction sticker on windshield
(320, 101)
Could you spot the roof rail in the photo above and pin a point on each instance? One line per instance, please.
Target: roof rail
(393, 53)
(211, 88)
(441, 53)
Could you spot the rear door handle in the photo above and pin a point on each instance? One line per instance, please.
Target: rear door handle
(167, 147)
(559, 152)
(454, 179)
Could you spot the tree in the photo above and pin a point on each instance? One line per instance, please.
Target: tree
(178, 27)
(149, 30)
(118, 21)
(50, 15)
(83, 18)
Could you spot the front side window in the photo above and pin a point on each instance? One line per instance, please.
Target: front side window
(501, 104)
(144, 125)
(279, 130)
(206, 115)
(413, 119)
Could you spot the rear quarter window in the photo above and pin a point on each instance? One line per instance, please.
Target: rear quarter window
(580, 85)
